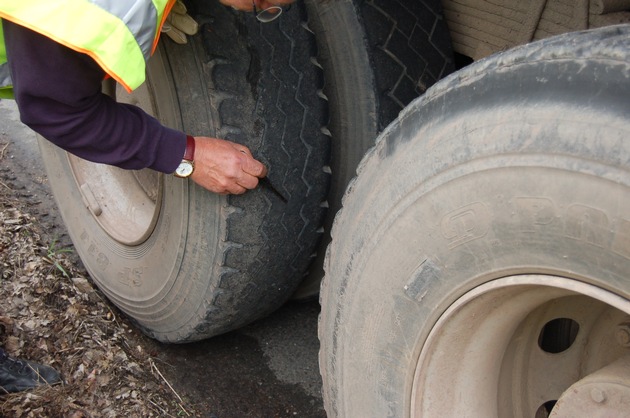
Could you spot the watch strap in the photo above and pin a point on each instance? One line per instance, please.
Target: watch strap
(189, 154)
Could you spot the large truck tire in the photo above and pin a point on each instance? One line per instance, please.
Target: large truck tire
(182, 262)
(480, 266)
(378, 58)
(410, 49)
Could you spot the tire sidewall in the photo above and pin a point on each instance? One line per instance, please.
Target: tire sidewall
(496, 195)
(429, 254)
(120, 269)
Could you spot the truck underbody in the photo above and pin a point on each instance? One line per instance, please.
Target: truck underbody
(455, 171)
(479, 28)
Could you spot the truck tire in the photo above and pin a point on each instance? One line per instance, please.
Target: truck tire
(410, 49)
(183, 263)
(376, 60)
(480, 264)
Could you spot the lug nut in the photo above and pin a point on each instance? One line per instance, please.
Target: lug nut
(623, 334)
(597, 395)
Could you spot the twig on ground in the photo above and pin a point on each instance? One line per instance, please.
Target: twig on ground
(3, 150)
(154, 367)
(161, 410)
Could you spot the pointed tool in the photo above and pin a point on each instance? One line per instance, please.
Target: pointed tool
(266, 183)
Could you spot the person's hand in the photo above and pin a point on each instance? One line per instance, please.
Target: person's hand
(225, 167)
(179, 23)
(247, 5)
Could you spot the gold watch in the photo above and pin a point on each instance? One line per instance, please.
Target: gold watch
(187, 166)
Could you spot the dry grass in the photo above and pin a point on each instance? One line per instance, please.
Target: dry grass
(50, 313)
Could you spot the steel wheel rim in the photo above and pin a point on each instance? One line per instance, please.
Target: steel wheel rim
(487, 355)
(126, 204)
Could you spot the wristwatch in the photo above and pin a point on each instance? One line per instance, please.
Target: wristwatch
(187, 166)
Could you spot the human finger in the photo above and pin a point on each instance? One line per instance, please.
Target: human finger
(244, 150)
(243, 5)
(236, 189)
(263, 4)
(254, 167)
(248, 181)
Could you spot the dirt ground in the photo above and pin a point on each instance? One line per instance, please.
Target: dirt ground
(51, 313)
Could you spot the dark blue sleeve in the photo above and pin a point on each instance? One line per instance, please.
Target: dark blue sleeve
(58, 92)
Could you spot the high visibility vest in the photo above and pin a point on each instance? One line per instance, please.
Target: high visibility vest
(6, 91)
(120, 35)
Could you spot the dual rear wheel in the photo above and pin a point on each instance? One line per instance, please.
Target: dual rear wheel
(186, 264)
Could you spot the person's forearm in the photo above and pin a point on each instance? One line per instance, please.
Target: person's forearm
(58, 93)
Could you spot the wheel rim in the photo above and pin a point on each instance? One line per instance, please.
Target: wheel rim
(126, 203)
(513, 346)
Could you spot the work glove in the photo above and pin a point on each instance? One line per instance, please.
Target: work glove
(179, 23)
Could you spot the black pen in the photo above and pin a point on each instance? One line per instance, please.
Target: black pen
(265, 182)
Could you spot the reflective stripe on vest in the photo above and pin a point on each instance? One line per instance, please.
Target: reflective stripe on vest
(120, 35)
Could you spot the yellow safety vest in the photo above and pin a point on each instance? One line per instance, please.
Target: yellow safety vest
(6, 91)
(120, 35)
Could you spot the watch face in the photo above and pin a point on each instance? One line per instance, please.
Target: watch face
(185, 169)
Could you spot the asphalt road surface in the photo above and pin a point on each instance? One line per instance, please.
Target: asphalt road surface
(268, 369)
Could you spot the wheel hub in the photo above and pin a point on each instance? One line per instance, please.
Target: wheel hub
(513, 346)
(126, 204)
(601, 394)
